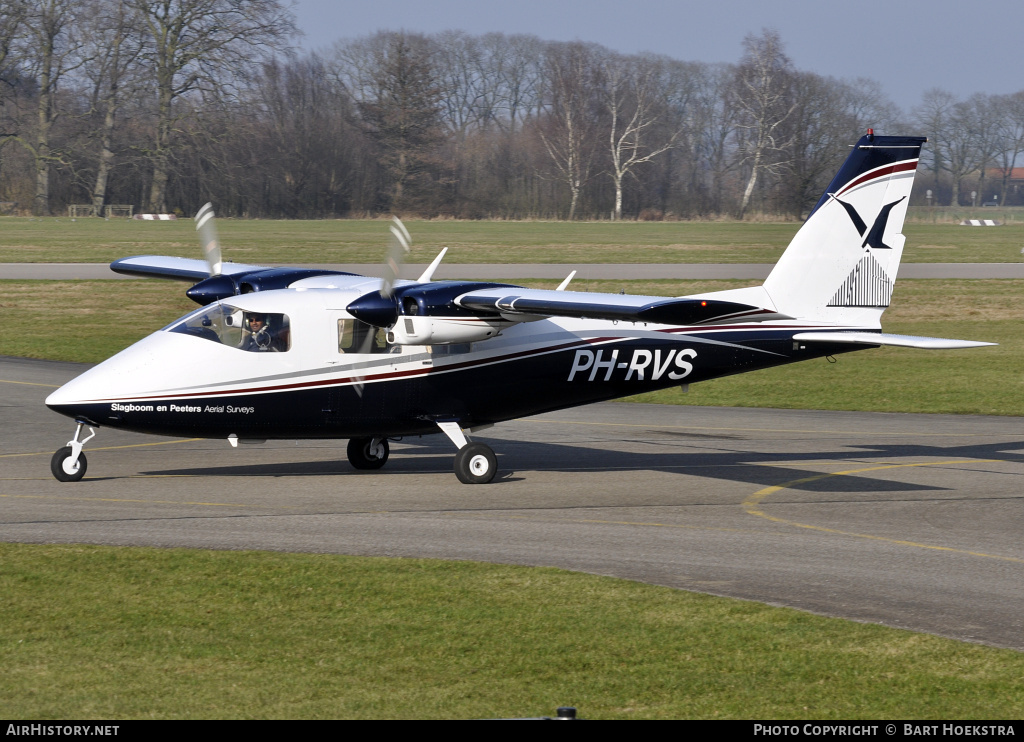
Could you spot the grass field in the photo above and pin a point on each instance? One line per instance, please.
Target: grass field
(55, 240)
(157, 634)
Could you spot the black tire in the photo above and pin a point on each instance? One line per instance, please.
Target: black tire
(360, 457)
(475, 463)
(57, 465)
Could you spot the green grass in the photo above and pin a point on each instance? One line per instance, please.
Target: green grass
(59, 240)
(150, 633)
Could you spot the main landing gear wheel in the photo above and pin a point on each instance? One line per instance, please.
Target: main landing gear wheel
(475, 463)
(63, 469)
(368, 453)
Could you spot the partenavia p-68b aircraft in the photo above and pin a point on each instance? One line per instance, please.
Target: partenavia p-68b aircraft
(303, 353)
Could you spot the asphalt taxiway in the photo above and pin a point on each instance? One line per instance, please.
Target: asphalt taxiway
(913, 521)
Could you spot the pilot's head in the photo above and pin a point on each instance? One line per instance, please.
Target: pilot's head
(257, 322)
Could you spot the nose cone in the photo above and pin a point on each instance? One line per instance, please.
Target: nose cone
(62, 397)
(83, 397)
(374, 309)
(79, 391)
(133, 372)
(69, 400)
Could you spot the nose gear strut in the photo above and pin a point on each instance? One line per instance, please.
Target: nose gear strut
(69, 463)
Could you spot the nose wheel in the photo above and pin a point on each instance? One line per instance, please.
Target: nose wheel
(69, 463)
(65, 467)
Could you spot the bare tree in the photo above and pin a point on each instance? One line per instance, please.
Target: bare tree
(763, 101)
(1009, 113)
(305, 137)
(50, 46)
(983, 114)
(933, 117)
(568, 131)
(635, 100)
(193, 44)
(869, 106)
(966, 141)
(465, 100)
(12, 15)
(112, 45)
(712, 123)
(513, 65)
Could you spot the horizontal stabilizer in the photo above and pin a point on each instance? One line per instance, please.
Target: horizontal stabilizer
(179, 269)
(881, 338)
(590, 305)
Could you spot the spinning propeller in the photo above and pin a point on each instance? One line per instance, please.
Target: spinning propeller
(216, 286)
(384, 308)
(207, 230)
(380, 308)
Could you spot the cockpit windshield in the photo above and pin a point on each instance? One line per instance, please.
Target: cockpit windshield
(256, 332)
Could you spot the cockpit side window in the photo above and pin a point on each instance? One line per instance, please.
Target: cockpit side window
(358, 337)
(255, 332)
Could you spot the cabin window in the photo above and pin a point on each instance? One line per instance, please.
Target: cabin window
(255, 332)
(358, 337)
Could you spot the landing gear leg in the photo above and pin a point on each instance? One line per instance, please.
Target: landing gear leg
(368, 453)
(475, 463)
(69, 463)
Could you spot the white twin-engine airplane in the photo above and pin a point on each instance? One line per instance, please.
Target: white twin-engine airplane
(302, 353)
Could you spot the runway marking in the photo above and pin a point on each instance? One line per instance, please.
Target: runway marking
(645, 524)
(116, 499)
(757, 430)
(752, 503)
(106, 448)
(29, 383)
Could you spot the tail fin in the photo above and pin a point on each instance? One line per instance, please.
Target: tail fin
(841, 265)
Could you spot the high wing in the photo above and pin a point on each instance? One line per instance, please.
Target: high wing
(516, 303)
(179, 269)
(233, 279)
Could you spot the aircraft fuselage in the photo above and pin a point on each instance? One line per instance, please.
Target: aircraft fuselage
(184, 384)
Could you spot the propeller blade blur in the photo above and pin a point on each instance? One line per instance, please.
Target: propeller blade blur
(397, 250)
(207, 230)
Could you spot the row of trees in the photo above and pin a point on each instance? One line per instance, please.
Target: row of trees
(167, 104)
(975, 145)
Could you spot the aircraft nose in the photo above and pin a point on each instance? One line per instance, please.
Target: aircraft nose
(126, 373)
(57, 398)
(70, 399)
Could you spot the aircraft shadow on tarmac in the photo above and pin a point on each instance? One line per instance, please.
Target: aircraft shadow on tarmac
(516, 459)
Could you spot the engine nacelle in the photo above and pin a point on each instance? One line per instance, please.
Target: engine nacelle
(444, 330)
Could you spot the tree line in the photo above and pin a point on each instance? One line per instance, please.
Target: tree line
(167, 104)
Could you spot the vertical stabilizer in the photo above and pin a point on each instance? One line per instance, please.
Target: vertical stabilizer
(841, 265)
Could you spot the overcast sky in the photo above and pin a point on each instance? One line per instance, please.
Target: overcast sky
(906, 45)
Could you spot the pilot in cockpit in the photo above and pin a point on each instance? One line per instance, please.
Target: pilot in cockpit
(260, 337)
